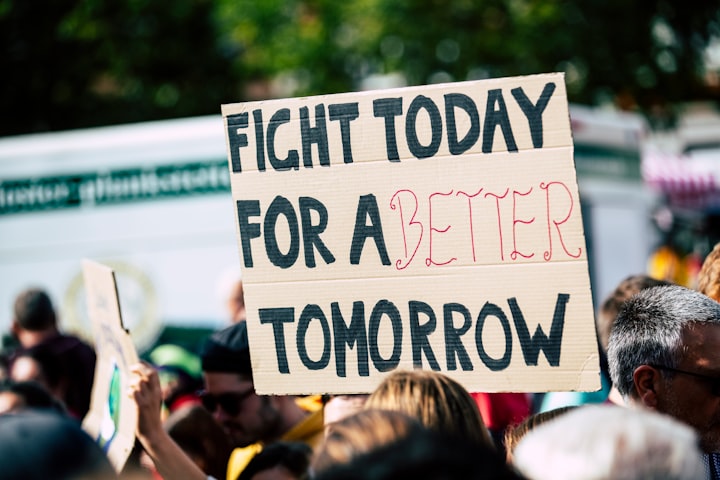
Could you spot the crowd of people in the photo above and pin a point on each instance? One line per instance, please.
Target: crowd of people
(657, 415)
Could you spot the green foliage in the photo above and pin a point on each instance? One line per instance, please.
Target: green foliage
(78, 63)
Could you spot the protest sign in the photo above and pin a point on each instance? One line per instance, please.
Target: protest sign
(433, 227)
(112, 418)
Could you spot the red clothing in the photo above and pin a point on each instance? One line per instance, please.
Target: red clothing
(499, 410)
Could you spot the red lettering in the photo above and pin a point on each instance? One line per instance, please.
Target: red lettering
(470, 218)
(396, 198)
(429, 260)
(499, 218)
(549, 253)
(515, 251)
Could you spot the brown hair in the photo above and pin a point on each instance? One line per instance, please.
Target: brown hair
(709, 275)
(34, 310)
(361, 433)
(514, 433)
(436, 400)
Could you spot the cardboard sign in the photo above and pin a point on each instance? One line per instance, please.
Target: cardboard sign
(112, 418)
(433, 227)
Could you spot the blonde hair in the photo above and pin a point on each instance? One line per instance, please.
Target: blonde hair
(437, 401)
(515, 433)
(361, 433)
(709, 275)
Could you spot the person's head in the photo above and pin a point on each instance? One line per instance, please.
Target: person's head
(709, 276)
(33, 311)
(515, 433)
(35, 445)
(41, 365)
(201, 438)
(236, 302)
(610, 307)
(279, 461)
(436, 400)
(361, 433)
(424, 455)
(337, 407)
(230, 393)
(603, 442)
(17, 396)
(664, 354)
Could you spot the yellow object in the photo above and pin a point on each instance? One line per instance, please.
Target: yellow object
(309, 431)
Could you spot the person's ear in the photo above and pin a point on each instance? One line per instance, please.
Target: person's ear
(647, 384)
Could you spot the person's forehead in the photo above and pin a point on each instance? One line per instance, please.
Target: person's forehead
(217, 382)
(701, 345)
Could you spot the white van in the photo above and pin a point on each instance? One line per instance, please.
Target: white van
(151, 200)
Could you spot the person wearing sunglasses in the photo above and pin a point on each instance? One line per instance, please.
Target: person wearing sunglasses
(251, 421)
(664, 354)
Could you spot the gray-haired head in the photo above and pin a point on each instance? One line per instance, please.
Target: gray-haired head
(649, 328)
(603, 442)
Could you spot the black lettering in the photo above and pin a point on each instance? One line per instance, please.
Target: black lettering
(549, 344)
(292, 160)
(316, 135)
(462, 101)
(353, 334)
(281, 206)
(453, 345)
(492, 363)
(277, 317)
(416, 148)
(259, 140)
(345, 113)
(533, 113)
(494, 117)
(388, 108)
(385, 307)
(236, 140)
(248, 231)
(367, 207)
(419, 334)
(309, 313)
(311, 233)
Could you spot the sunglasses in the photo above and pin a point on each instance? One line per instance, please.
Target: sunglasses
(230, 402)
(713, 382)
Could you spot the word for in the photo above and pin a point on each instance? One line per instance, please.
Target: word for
(361, 334)
(390, 110)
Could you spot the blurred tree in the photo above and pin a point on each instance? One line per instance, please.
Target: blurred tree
(80, 63)
(76, 63)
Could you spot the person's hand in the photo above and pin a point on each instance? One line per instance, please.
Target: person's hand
(169, 459)
(145, 389)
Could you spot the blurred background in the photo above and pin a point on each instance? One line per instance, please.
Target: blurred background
(112, 145)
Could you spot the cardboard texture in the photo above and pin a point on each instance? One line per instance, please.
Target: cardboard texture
(112, 418)
(433, 227)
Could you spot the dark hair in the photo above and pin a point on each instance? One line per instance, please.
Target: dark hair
(36, 444)
(228, 351)
(33, 394)
(34, 310)
(195, 430)
(293, 456)
(427, 455)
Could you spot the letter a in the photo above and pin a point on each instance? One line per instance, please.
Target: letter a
(367, 206)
